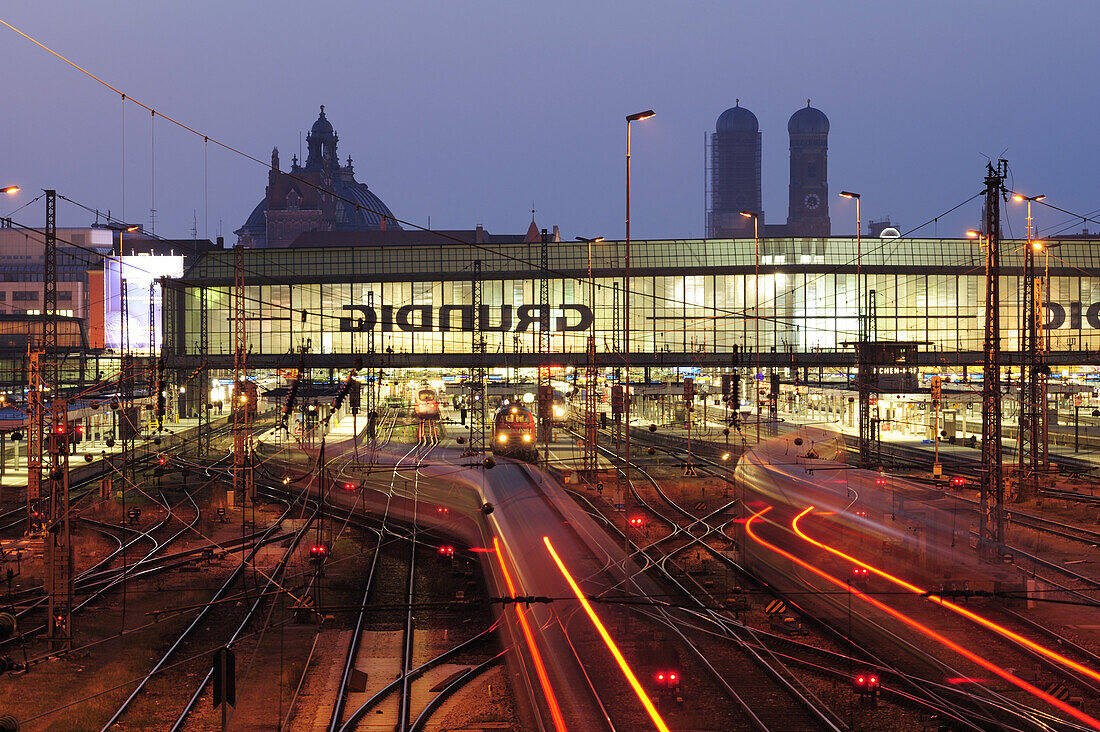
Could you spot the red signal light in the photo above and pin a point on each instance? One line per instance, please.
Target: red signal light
(660, 677)
(349, 486)
(880, 482)
(672, 677)
(636, 521)
(161, 461)
(60, 430)
(80, 429)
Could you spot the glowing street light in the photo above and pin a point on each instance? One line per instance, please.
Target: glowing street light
(10, 190)
(755, 216)
(636, 117)
(859, 261)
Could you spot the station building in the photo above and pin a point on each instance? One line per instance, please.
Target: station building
(694, 303)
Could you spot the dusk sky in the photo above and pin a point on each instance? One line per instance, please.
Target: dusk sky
(472, 112)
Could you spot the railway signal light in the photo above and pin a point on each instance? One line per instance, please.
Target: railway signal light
(866, 685)
(318, 552)
(880, 482)
(958, 481)
(668, 680)
(349, 486)
(447, 552)
(443, 510)
(637, 522)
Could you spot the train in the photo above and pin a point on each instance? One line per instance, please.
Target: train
(514, 433)
(426, 403)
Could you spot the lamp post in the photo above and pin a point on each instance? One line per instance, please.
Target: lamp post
(10, 190)
(859, 265)
(755, 216)
(637, 117)
(1032, 434)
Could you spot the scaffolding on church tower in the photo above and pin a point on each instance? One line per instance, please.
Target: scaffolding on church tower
(243, 483)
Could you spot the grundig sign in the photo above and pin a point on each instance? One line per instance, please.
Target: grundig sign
(425, 318)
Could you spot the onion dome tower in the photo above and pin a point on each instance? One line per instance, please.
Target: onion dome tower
(808, 211)
(734, 174)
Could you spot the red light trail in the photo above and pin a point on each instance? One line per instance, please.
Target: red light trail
(608, 641)
(984, 622)
(943, 640)
(540, 669)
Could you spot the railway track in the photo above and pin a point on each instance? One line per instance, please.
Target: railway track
(1001, 706)
(201, 616)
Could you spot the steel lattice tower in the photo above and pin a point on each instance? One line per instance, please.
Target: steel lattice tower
(58, 544)
(243, 485)
(477, 373)
(35, 426)
(544, 335)
(204, 376)
(373, 381)
(590, 464)
(1032, 455)
(867, 359)
(991, 510)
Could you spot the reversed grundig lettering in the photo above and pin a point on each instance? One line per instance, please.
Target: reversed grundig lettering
(425, 318)
(1056, 316)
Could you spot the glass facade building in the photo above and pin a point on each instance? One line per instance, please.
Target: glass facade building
(689, 298)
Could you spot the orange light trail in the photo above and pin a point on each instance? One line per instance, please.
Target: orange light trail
(609, 641)
(943, 640)
(984, 622)
(540, 668)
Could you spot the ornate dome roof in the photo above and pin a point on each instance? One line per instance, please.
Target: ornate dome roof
(356, 206)
(369, 213)
(322, 126)
(737, 119)
(808, 121)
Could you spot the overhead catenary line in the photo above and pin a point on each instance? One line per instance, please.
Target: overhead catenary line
(527, 264)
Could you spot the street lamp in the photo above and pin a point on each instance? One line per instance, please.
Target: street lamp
(859, 264)
(755, 216)
(637, 117)
(10, 190)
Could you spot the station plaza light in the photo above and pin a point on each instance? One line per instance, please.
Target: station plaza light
(627, 401)
(755, 216)
(10, 190)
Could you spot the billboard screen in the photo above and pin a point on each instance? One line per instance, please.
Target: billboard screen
(139, 273)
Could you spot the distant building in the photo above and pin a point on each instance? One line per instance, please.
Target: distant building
(298, 202)
(808, 210)
(734, 176)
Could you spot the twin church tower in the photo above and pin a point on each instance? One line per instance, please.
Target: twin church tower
(734, 176)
